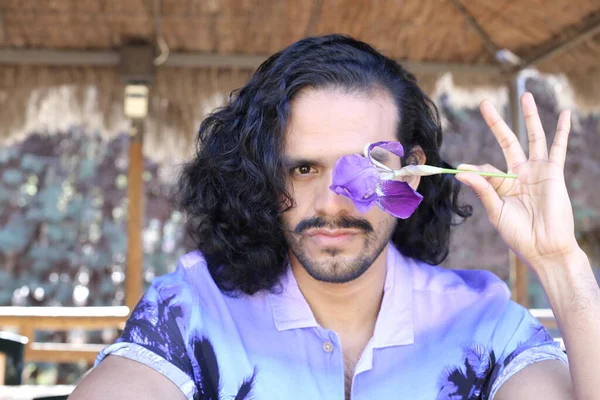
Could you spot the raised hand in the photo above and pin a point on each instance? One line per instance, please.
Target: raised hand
(532, 213)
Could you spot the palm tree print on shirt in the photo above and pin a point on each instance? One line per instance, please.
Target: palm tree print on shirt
(153, 325)
(209, 385)
(473, 379)
(467, 381)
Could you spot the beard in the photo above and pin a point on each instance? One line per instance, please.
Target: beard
(331, 264)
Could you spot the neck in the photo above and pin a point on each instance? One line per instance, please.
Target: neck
(345, 307)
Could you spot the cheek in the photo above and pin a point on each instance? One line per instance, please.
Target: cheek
(293, 216)
(287, 218)
(380, 220)
(302, 197)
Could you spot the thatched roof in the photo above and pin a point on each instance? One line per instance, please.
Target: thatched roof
(53, 99)
(480, 42)
(423, 30)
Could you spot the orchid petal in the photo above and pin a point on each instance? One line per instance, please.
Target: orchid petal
(359, 179)
(393, 147)
(398, 198)
(356, 178)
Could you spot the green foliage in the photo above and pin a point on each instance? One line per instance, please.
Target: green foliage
(12, 176)
(63, 211)
(32, 163)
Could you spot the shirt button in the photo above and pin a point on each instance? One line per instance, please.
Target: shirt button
(328, 347)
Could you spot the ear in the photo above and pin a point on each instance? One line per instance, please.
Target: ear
(415, 157)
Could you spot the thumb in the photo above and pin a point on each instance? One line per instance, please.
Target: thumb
(482, 188)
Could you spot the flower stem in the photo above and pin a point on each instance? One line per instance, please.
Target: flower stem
(426, 170)
(482, 173)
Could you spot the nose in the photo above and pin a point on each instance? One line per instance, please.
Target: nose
(329, 203)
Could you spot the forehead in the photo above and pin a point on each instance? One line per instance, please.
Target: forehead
(328, 124)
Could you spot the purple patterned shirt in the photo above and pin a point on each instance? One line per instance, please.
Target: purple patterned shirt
(440, 334)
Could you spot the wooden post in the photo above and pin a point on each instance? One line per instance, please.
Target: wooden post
(135, 215)
(2, 368)
(28, 331)
(519, 274)
(137, 72)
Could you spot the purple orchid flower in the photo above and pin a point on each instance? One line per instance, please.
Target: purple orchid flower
(367, 183)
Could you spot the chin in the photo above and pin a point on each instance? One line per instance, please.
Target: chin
(334, 272)
(333, 253)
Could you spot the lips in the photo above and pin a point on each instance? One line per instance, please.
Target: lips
(328, 237)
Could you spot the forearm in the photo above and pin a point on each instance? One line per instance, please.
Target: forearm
(574, 297)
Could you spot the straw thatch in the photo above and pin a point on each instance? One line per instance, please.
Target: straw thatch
(50, 100)
(33, 98)
(420, 30)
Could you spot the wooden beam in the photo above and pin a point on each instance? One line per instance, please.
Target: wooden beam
(61, 323)
(31, 319)
(485, 38)
(2, 28)
(59, 57)
(315, 16)
(28, 319)
(545, 316)
(63, 312)
(63, 352)
(198, 60)
(589, 27)
(202, 60)
(434, 67)
(26, 392)
(135, 215)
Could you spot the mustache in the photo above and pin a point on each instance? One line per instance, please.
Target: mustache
(341, 222)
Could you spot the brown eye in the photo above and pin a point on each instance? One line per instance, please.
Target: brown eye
(302, 170)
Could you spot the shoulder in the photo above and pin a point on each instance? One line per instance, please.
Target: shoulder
(178, 299)
(482, 302)
(191, 276)
(191, 267)
(479, 294)
(469, 281)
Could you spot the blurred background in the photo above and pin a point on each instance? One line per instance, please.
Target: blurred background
(100, 101)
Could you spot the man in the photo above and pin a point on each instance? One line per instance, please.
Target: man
(296, 294)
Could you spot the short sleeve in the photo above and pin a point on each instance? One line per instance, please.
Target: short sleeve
(154, 333)
(521, 340)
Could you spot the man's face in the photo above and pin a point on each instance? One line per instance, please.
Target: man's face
(326, 234)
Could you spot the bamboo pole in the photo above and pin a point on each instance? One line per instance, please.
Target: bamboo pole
(135, 215)
(519, 274)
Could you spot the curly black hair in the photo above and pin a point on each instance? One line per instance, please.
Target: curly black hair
(234, 190)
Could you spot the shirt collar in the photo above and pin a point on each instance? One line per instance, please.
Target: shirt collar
(394, 325)
(290, 309)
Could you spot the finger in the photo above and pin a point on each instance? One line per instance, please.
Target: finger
(496, 182)
(558, 151)
(485, 192)
(538, 147)
(513, 153)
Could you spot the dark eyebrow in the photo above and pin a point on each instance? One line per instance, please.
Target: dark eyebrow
(290, 162)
